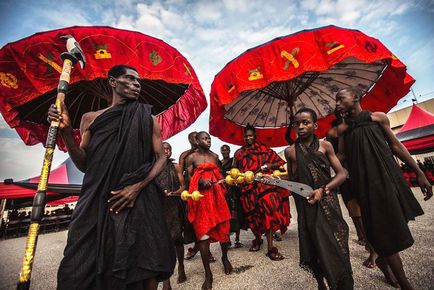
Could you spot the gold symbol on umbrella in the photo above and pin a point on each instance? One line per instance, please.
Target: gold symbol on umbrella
(290, 58)
(50, 63)
(101, 52)
(155, 57)
(8, 80)
(334, 46)
(255, 74)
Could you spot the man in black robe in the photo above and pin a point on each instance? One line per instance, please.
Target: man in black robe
(322, 231)
(117, 238)
(232, 196)
(387, 203)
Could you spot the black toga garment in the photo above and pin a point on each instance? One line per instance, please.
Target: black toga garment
(322, 231)
(386, 201)
(173, 208)
(233, 200)
(109, 251)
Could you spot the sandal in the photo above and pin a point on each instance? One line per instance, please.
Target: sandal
(191, 252)
(274, 254)
(238, 245)
(256, 245)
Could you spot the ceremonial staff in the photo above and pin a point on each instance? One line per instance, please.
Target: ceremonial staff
(73, 55)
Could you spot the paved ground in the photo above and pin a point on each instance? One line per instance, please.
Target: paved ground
(253, 270)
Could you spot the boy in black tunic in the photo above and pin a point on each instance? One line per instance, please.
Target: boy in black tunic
(369, 146)
(323, 233)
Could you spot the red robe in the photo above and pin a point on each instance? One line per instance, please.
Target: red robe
(210, 215)
(265, 207)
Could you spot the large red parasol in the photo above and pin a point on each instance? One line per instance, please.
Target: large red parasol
(30, 69)
(265, 85)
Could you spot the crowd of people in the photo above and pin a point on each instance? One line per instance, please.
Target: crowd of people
(410, 175)
(130, 223)
(17, 221)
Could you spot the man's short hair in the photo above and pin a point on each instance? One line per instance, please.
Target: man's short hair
(167, 143)
(119, 70)
(249, 128)
(224, 145)
(355, 91)
(312, 113)
(190, 135)
(201, 133)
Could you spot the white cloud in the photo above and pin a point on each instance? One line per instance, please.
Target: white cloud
(21, 162)
(207, 12)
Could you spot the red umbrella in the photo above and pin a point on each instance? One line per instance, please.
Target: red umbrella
(265, 85)
(30, 69)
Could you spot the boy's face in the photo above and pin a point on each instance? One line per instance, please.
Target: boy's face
(249, 137)
(204, 140)
(225, 151)
(304, 125)
(345, 101)
(167, 150)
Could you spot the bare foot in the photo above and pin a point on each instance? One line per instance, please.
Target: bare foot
(388, 274)
(207, 284)
(191, 252)
(370, 261)
(227, 266)
(211, 258)
(166, 285)
(181, 275)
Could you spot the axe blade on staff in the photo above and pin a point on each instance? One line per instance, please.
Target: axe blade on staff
(73, 55)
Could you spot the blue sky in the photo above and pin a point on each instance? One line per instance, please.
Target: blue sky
(211, 33)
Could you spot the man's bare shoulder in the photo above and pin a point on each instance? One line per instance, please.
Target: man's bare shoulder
(379, 117)
(326, 145)
(88, 118)
(290, 152)
(215, 155)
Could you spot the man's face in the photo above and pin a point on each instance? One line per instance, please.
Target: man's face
(345, 101)
(204, 140)
(167, 150)
(225, 151)
(304, 125)
(249, 137)
(127, 86)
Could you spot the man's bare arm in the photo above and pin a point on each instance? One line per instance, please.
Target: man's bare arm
(402, 153)
(189, 168)
(181, 180)
(341, 173)
(76, 152)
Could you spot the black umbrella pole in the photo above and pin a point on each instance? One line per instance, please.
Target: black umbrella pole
(38, 206)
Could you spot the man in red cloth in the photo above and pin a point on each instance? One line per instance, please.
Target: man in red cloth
(266, 207)
(210, 215)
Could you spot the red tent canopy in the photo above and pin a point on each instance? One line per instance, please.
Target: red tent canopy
(65, 180)
(417, 134)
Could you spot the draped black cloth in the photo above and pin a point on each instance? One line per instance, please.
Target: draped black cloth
(117, 251)
(386, 201)
(322, 232)
(237, 221)
(173, 208)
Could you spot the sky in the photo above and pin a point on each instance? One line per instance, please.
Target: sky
(212, 33)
